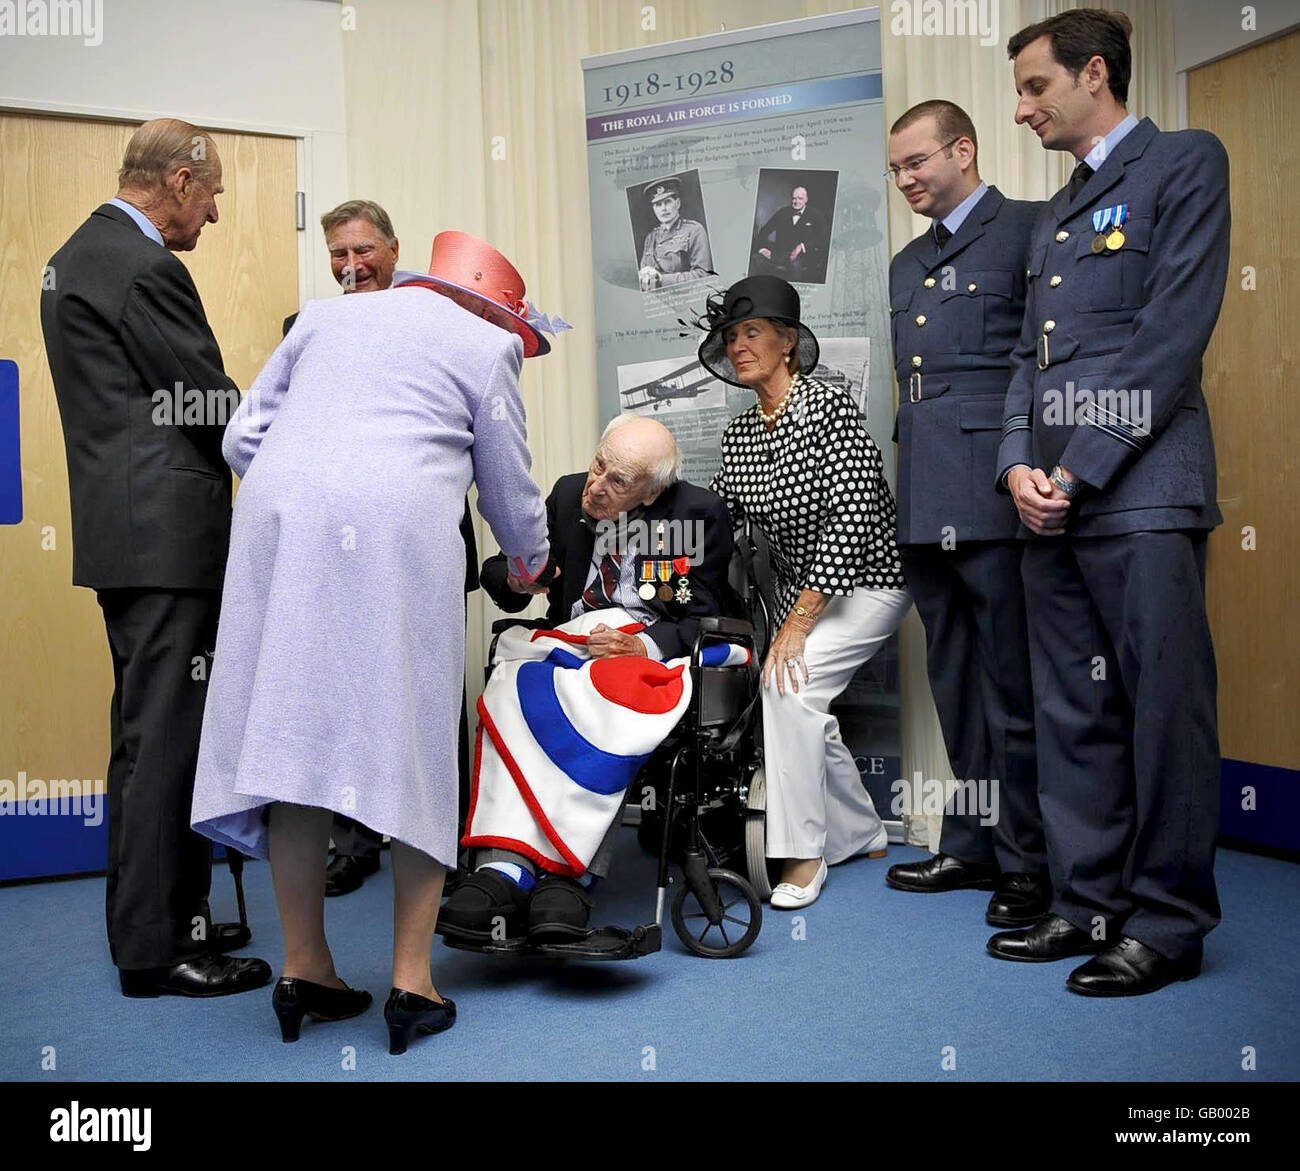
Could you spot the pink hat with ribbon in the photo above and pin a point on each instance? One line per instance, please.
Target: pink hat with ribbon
(478, 278)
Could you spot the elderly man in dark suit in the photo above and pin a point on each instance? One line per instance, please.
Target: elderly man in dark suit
(1108, 456)
(957, 297)
(627, 512)
(127, 337)
(793, 243)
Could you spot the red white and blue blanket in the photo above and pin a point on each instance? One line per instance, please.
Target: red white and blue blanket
(561, 735)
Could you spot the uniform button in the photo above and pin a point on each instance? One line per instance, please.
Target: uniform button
(920, 319)
(1048, 326)
(916, 359)
(929, 282)
(970, 288)
(1062, 236)
(1056, 280)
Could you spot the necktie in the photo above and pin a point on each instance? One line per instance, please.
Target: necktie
(941, 234)
(600, 594)
(1082, 173)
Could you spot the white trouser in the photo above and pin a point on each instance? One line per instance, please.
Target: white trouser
(817, 806)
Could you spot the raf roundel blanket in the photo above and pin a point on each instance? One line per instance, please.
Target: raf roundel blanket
(561, 736)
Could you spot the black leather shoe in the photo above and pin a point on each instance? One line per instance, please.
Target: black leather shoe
(486, 901)
(205, 975)
(558, 911)
(407, 1014)
(941, 873)
(1129, 968)
(1051, 938)
(1020, 900)
(294, 999)
(346, 873)
(228, 937)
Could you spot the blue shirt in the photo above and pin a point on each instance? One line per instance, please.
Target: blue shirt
(955, 218)
(142, 221)
(1101, 152)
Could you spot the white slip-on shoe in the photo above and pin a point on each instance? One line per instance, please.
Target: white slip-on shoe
(788, 897)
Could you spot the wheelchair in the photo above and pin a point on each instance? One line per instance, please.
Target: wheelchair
(702, 813)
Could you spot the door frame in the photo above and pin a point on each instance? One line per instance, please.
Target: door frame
(304, 141)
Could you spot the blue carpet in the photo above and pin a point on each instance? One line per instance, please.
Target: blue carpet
(881, 986)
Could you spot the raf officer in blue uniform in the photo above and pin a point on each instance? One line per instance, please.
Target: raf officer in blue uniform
(678, 249)
(1108, 456)
(957, 298)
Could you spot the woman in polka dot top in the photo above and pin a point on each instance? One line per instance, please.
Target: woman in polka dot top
(801, 464)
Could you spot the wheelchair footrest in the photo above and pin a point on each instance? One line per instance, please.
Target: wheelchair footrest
(606, 943)
(600, 943)
(503, 947)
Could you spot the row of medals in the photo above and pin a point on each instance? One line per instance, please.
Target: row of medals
(1108, 243)
(663, 569)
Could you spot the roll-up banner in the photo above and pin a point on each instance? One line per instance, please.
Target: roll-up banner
(718, 157)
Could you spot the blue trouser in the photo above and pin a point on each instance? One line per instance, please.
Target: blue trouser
(1128, 749)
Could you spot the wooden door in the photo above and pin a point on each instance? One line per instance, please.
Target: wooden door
(55, 670)
(1250, 100)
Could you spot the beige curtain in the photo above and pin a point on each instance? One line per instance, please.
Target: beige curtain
(470, 114)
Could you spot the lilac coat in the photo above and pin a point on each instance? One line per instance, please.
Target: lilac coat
(340, 655)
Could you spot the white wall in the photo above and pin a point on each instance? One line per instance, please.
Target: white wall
(1207, 29)
(255, 65)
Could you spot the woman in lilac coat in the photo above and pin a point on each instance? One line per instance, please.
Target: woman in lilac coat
(336, 682)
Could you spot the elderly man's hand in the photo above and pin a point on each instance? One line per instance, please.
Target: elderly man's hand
(649, 278)
(528, 587)
(604, 642)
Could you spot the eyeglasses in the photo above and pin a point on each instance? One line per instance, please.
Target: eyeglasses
(916, 164)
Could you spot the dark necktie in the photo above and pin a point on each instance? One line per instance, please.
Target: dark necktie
(941, 234)
(604, 586)
(1082, 173)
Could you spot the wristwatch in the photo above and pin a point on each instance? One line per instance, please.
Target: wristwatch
(1070, 489)
(802, 611)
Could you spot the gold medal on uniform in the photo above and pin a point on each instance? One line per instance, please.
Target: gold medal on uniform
(1112, 218)
(664, 571)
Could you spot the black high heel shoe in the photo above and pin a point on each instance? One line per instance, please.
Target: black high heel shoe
(408, 1014)
(294, 999)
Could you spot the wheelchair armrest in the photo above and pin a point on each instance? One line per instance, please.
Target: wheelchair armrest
(735, 627)
(503, 624)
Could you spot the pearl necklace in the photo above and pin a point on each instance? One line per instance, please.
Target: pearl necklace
(780, 407)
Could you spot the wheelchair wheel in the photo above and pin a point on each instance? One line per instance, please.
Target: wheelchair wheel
(742, 917)
(756, 835)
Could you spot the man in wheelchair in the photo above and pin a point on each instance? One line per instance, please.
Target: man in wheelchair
(569, 716)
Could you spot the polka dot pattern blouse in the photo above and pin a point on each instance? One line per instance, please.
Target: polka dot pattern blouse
(816, 485)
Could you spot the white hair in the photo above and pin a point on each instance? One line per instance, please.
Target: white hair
(663, 473)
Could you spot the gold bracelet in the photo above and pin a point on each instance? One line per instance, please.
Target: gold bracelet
(802, 611)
